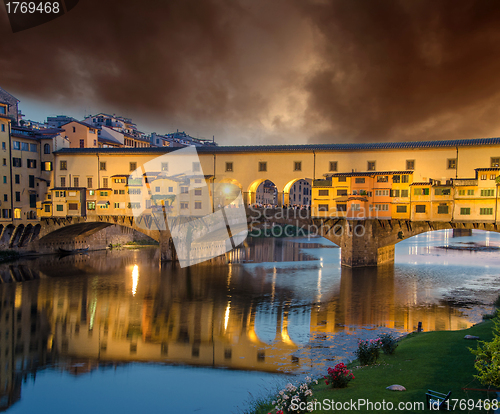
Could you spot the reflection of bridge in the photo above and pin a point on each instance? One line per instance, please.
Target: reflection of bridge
(124, 309)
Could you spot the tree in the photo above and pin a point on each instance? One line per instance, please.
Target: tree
(488, 358)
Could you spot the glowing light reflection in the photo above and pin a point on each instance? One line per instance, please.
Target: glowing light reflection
(226, 316)
(135, 279)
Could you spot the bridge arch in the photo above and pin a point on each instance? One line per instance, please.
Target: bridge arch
(226, 191)
(288, 192)
(261, 191)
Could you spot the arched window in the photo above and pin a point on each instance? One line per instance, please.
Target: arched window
(46, 149)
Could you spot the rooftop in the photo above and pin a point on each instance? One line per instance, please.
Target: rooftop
(304, 147)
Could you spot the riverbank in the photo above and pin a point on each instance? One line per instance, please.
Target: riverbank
(439, 360)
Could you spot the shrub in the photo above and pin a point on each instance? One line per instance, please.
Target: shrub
(368, 351)
(389, 343)
(339, 376)
(295, 399)
(488, 358)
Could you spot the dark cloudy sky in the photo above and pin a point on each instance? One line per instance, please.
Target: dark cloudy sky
(261, 71)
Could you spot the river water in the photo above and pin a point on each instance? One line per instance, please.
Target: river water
(111, 331)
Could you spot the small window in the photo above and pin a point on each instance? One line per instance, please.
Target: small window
(410, 164)
(382, 179)
(486, 211)
(487, 193)
(18, 196)
(420, 208)
(184, 206)
(4, 162)
(102, 166)
(47, 208)
(197, 192)
(470, 192)
(197, 205)
(196, 166)
(89, 182)
(493, 177)
(17, 162)
(323, 192)
(400, 209)
(461, 192)
(63, 165)
(31, 163)
(297, 166)
(333, 165)
(262, 166)
(46, 149)
(17, 179)
(157, 189)
(184, 190)
(76, 182)
(465, 211)
(452, 163)
(73, 206)
(229, 167)
(484, 176)
(394, 193)
(371, 166)
(74, 129)
(164, 166)
(442, 209)
(341, 207)
(82, 143)
(105, 182)
(91, 205)
(63, 181)
(396, 178)
(495, 162)
(405, 178)
(132, 166)
(341, 192)
(359, 180)
(31, 181)
(342, 179)
(3, 127)
(322, 207)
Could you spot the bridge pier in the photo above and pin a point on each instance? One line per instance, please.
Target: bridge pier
(167, 248)
(361, 245)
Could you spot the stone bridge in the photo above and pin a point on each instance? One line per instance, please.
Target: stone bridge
(364, 242)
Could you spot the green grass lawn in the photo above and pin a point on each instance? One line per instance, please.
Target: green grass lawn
(440, 361)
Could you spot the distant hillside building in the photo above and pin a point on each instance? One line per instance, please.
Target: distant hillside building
(178, 139)
(58, 121)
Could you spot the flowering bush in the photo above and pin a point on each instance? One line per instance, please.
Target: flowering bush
(339, 376)
(389, 343)
(295, 399)
(368, 351)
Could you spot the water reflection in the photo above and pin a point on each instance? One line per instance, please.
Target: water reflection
(110, 308)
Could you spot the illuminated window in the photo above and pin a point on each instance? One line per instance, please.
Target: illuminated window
(17, 213)
(495, 162)
(91, 205)
(452, 163)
